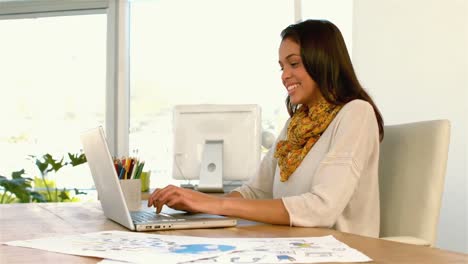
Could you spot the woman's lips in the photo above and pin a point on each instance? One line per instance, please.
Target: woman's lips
(292, 88)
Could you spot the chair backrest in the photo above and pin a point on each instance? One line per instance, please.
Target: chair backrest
(412, 166)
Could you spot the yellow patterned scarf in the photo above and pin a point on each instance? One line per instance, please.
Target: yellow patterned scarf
(305, 128)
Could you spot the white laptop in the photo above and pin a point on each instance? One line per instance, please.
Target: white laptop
(113, 203)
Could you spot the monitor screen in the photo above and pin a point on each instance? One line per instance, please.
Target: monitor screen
(216, 143)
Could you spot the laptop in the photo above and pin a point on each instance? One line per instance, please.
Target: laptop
(113, 202)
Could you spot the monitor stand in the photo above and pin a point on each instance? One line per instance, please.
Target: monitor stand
(211, 168)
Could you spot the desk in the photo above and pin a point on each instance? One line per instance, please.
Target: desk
(27, 221)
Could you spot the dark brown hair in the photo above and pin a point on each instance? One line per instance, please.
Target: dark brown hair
(326, 59)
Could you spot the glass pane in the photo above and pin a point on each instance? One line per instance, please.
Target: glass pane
(53, 87)
(210, 51)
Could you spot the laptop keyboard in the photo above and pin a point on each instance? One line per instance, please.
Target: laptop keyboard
(151, 216)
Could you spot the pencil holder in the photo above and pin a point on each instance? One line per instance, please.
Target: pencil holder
(131, 190)
(145, 180)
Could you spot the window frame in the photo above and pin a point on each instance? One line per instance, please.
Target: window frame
(117, 111)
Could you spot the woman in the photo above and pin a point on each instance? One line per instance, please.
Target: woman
(323, 170)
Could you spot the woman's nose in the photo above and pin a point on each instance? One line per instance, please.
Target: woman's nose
(286, 74)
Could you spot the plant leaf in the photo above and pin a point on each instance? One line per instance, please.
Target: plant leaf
(77, 159)
(42, 166)
(18, 174)
(37, 197)
(78, 191)
(64, 195)
(18, 186)
(56, 164)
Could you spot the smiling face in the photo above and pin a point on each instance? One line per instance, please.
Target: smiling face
(302, 89)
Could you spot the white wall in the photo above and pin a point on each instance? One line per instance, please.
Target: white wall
(342, 17)
(412, 57)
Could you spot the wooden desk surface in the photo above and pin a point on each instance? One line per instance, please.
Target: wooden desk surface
(27, 221)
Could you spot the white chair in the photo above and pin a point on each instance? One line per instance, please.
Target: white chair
(412, 168)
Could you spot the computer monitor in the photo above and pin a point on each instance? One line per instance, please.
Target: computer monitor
(216, 144)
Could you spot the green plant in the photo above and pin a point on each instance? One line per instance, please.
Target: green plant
(47, 164)
(19, 188)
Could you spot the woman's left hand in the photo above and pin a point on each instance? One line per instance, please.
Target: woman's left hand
(184, 199)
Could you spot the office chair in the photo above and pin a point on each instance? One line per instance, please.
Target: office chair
(412, 168)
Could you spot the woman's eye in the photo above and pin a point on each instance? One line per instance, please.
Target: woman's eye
(295, 64)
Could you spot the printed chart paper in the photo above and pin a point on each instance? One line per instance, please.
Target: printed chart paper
(129, 247)
(288, 250)
(132, 247)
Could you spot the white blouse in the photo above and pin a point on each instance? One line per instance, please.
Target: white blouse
(336, 184)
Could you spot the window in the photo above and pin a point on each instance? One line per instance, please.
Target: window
(181, 52)
(52, 87)
(191, 52)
